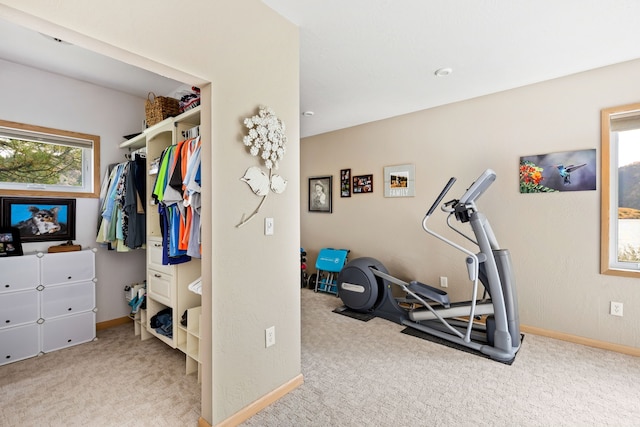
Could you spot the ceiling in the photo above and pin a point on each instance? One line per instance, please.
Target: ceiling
(27, 47)
(366, 60)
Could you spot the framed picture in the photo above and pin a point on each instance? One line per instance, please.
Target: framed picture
(345, 183)
(562, 171)
(38, 219)
(320, 194)
(363, 184)
(10, 244)
(399, 181)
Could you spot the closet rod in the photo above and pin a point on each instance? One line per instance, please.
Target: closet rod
(142, 151)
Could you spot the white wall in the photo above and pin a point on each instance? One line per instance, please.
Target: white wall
(553, 238)
(41, 98)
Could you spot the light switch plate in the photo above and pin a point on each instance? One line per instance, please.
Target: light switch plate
(268, 226)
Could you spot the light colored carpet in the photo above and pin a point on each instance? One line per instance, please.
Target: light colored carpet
(117, 380)
(369, 374)
(356, 374)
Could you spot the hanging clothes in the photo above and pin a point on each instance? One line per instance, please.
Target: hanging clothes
(133, 207)
(192, 188)
(168, 211)
(121, 224)
(177, 192)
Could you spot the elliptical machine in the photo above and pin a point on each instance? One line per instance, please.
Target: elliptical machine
(365, 286)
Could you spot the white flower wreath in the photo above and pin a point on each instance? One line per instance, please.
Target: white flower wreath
(267, 135)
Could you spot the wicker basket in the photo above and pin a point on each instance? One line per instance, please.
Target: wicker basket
(158, 108)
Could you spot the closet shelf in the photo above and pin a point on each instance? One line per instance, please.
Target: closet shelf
(190, 116)
(136, 142)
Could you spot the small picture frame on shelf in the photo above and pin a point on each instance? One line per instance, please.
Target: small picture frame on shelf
(10, 244)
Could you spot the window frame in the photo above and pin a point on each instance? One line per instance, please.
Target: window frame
(608, 233)
(93, 175)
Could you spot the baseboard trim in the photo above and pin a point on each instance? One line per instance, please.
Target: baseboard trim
(631, 351)
(113, 322)
(252, 409)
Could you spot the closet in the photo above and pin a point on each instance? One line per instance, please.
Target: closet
(172, 280)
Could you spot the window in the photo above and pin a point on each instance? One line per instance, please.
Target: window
(620, 203)
(38, 161)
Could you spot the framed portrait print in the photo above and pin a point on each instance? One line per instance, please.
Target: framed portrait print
(345, 183)
(10, 244)
(363, 184)
(399, 181)
(39, 219)
(320, 194)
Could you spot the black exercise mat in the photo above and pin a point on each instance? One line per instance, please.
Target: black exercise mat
(423, 335)
(365, 317)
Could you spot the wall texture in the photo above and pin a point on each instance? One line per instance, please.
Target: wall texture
(554, 238)
(44, 99)
(249, 54)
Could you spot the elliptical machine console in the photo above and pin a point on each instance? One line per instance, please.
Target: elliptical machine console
(365, 285)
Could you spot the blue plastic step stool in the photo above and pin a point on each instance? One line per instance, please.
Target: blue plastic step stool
(330, 261)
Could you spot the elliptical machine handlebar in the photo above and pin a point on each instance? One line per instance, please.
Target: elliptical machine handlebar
(443, 193)
(462, 207)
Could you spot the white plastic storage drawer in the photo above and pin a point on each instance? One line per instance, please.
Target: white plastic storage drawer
(67, 267)
(19, 343)
(17, 308)
(61, 300)
(66, 331)
(154, 255)
(159, 287)
(18, 273)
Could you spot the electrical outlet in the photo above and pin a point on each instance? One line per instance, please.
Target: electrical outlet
(616, 309)
(269, 336)
(444, 283)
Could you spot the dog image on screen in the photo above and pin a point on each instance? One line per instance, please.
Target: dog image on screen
(42, 221)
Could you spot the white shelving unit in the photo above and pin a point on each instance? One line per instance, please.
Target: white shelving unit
(167, 284)
(193, 340)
